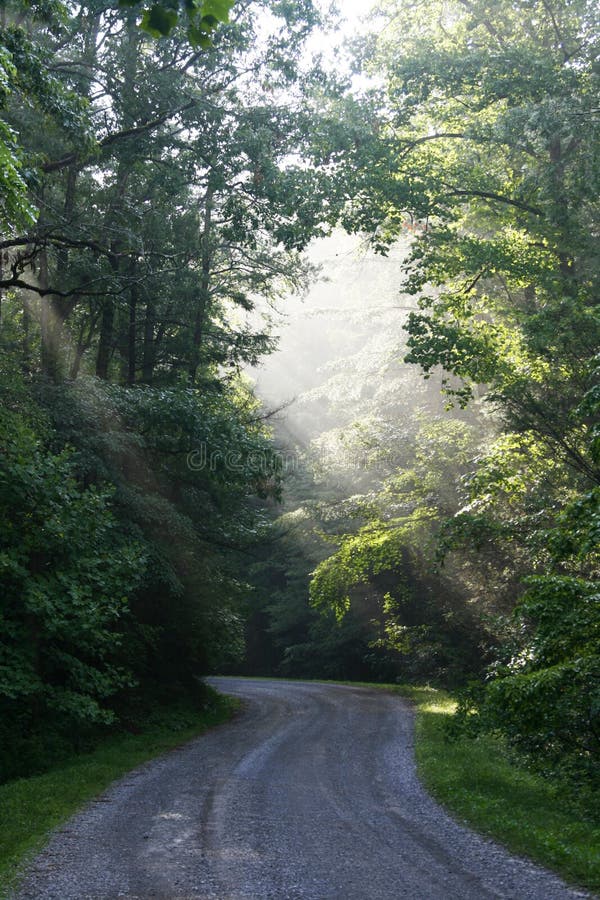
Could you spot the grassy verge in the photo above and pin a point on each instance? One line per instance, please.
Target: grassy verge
(31, 807)
(480, 784)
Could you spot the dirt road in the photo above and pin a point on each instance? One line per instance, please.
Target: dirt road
(309, 794)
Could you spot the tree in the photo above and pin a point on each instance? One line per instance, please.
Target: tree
(492, 128)
(170, 194)
(68, 567)
(347, 586)
(177, 212)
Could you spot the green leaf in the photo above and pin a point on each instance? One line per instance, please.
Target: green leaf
(159, 21)
(199, 38)
(218, 9)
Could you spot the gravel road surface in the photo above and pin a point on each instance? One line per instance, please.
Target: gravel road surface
(310, 793)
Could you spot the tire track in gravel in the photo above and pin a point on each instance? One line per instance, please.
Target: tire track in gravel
(310, 793)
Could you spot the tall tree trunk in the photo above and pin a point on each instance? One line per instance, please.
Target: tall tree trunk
(77, 358)
(149, 351)
(132, 329)
(83, 343)
(561, 214)
(26, 336)
(128, 329)
(203, 304)
(106, 338)
(107, 326)
(50, 334)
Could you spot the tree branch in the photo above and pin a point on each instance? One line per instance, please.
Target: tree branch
(498, 198)
(110, 139)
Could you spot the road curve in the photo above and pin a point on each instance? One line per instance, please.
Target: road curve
(309, 794)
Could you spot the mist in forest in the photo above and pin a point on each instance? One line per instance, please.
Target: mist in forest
(372, 462)
(340, 345)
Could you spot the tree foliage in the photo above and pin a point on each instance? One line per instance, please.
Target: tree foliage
(164, 166)
(484, 143)
(492, 129)
(155, 191)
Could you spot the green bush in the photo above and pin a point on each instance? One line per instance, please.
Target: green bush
(546, 701)
(67, 568)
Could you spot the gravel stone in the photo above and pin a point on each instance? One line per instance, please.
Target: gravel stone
(310, 793)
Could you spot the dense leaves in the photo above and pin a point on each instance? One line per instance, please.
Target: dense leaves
(163, 167)
(120, 539)
(493, 113)
(473, 541)
(349, 585)
(152, 195)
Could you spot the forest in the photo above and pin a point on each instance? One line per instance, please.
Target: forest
(419, 500)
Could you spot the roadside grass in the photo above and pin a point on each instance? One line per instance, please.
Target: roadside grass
(31, 807)
(477, 780)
